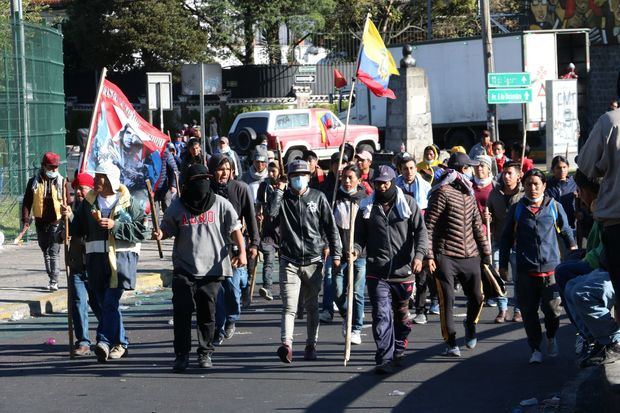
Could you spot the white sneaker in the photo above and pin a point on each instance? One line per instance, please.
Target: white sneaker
(356, 337)
(552, 347)
(52, 286)
(536, 357)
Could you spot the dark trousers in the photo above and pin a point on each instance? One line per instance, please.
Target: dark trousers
(424, 285)
(390, 317)
(47, 238)
(191, 294)
(611, 243)
(540, 292)
(467, 271)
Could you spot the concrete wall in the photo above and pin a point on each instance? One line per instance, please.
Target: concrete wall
(604, 68)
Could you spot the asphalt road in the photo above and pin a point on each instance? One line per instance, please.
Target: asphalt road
(248, 376)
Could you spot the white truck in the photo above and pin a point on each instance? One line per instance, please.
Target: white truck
(455, 70)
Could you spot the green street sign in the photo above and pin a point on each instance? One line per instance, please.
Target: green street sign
(504, 96)
(307, 69)
(521, 79)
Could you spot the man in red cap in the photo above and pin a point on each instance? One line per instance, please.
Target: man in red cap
(43, 197)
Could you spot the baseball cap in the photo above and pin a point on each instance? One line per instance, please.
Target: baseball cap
(298, 166)
(171, 146)
(336, 156)
(310, 154)
(385, 174)
(365, 155)
(51, 159)
(459, 160)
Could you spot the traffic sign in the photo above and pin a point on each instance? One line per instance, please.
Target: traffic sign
(307, 69)
(305, 78)
(504, 96)
(521, 79)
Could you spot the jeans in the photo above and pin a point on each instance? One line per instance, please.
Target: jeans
(592, 298)
(328, 287)
(82, 297)
(191, 294)
(269, 258)
(502, 302)
(48, 242)
(340, 284)
(291, 279)
(228, 309)
(390, 317)
(564, 273)
(110, 330)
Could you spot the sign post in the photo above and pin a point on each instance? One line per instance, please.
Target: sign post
(159, 93)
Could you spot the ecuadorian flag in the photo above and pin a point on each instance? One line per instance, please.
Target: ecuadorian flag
(376, 63)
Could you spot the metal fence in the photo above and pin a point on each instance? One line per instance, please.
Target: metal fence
(32, 109)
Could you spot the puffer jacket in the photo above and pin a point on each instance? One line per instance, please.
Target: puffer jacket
(454, 224)
(305, 220)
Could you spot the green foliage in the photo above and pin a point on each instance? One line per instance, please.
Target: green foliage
(31, 12)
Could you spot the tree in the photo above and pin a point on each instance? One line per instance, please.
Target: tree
(31, 12)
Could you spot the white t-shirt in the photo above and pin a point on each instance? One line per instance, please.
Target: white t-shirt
(106, 203)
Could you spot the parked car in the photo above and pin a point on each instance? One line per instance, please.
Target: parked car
(298, 130)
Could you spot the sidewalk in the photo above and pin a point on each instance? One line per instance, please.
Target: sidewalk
(23, 280)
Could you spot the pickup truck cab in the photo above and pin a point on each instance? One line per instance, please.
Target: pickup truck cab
(298, 130)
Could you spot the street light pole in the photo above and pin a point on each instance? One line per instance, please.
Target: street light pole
(487, 48)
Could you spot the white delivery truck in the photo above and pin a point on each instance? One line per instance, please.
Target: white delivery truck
(455, 70)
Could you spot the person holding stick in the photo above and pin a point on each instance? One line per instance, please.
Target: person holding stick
(113, 224)
(391, 228)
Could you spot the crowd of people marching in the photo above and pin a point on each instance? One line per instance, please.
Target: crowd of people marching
(415, 232)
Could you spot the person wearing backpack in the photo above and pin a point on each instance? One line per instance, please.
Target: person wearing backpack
(532, 227)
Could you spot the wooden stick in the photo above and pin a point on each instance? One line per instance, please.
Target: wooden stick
(154, 215)
(347, 341)
(93, 119)
(252, 280)
(176, 179)
(344, 139)
(279, 145)
(68, 272)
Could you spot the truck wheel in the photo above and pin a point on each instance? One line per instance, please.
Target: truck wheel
(365, 147)
(245, 138)
(460, 137)
(293, 154)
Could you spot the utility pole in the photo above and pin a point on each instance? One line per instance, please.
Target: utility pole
(489, 67)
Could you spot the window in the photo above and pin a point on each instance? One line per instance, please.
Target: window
(295, 120)
(259, 124)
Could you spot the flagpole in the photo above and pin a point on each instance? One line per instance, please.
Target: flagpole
(93, 119)
(346, 125)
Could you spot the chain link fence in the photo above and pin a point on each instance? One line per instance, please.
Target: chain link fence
(32, 110)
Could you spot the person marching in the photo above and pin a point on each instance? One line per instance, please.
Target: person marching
(239, 195)
(305, 218)
(532, 226)
(457, 245)
(43, 199)
(391, 228)
(113, 225)
(350, 192)
(81, 293)
(201, 223)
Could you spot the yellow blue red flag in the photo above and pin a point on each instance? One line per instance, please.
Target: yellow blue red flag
(376, 63)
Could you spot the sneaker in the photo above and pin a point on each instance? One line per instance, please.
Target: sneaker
(552, 347)
(117, 352)
(385, 368)
(609, 354)
(452, 351)
(434, 308)
(399, 359)
(229, 330)
(102, 351)
(536, 357)
(356, 337)
(491, 303)
(52, 286)
(325, 317)
(310, 352)
(204, 361)
(266, 293)
(411, 305)
(420, 319)
(470, 335)
(285, 352)
(501, 317)
(517, 317)
(81, 351)
(181, 362)
(218, 339)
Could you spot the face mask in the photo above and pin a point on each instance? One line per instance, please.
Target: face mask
(500, 156)
(428, 161)
(535, 200)
(351, 192)
(226, 150)
(299, 183)
(468, 175)
(51, 174)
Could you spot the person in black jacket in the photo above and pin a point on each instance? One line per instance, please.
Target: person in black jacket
(238, 193)
(391, 228)
(305, 218)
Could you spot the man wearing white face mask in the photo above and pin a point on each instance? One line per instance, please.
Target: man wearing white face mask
(43, 197)
(305, 218)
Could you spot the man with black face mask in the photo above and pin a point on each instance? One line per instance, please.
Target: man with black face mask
(238, 193)
(199, 221)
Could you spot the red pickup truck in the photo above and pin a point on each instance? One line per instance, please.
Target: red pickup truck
(297, 130)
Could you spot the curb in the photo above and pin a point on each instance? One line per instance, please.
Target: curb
(57, 301)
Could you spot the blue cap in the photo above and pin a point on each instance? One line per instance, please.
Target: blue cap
(385, 174)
